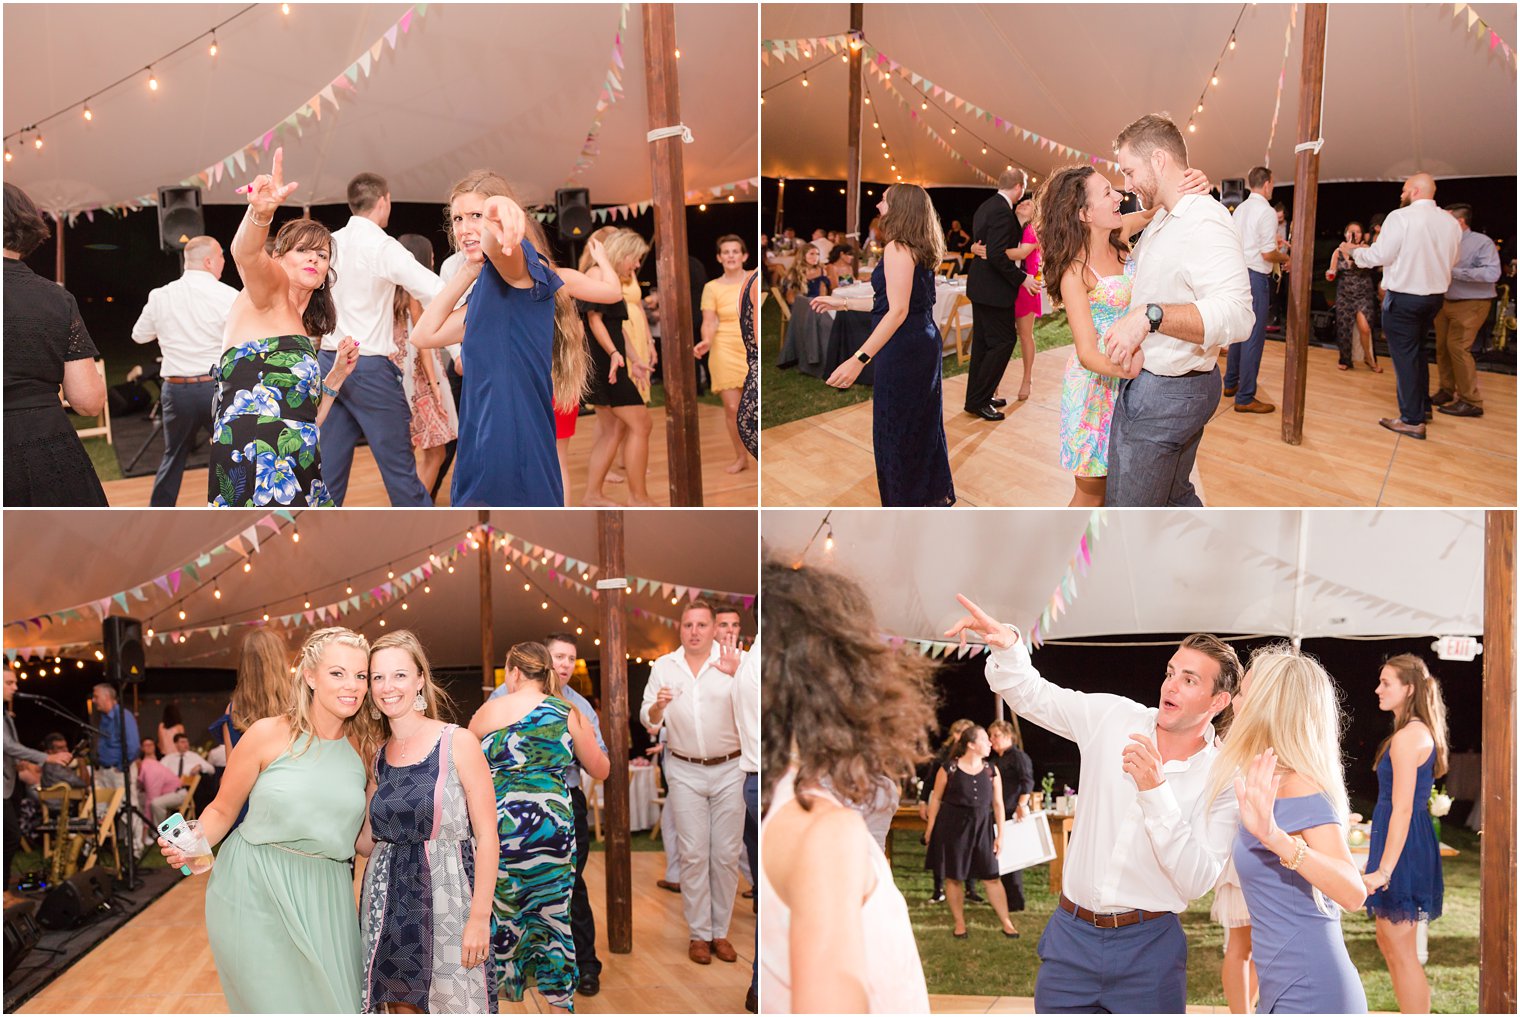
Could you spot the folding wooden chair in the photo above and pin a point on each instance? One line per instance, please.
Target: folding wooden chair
(958, 328)
(191, 782)
(594, 801)
(786, 312)
(104, 425)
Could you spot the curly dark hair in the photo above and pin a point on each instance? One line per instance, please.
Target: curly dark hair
(840, 702)
(25, 229)
(1063, 235)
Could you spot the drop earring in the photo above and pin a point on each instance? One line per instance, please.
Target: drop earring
(419, 704)
(374, 712)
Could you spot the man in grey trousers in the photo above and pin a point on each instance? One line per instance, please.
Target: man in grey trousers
(1191, 299)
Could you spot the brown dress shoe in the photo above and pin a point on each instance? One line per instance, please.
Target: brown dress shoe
(1229, 392)
(1397, 426)
(664, 884)
(1443, 396)
(725, 951)
(699, 951)
(1254, 406)
(1461, 408)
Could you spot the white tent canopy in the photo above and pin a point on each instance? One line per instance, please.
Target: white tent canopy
(512, 87)
(1287, 573)
(1407, 87)
(56, 560)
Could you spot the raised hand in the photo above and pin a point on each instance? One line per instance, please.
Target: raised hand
(345, 361)
(728, 654)
(1256, 795)
(995, 633)
(269, 190)
(506, 221)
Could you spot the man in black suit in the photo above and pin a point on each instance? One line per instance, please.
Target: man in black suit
(991, 286)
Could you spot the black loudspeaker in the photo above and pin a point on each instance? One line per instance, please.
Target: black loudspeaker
(179, 217)
(123, 638)
(76, 899)
(21, 933)
(572, 212)
(1232, 192)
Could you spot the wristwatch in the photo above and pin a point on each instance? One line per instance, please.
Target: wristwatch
(863, 357)
(1153, 315)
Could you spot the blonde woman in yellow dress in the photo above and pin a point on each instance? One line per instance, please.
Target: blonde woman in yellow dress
(721, 335)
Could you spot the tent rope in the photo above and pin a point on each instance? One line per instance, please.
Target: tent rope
(678, 131)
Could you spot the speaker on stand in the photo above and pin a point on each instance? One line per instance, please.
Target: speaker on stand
(78, 899)
(1232, 191)
(572, 213)
(180, 217)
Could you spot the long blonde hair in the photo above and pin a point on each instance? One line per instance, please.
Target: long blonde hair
(358, 727)
(570, 358)
(1424, 703)
(1292, 708)
(436, 699)
(263, 679)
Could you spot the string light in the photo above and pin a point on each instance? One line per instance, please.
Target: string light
(150, 632)
(578, 630)
(1232, 42)
(37, 142)
(152, 80)
(403, 605)
(804, 81)
(213, 44)
(216, 591)
(544, 605)
(295, 538)
(564, 620)
(678, 52)
(248, 567)
(348, 589)
(427, 589)
(8, 154)
(390, 574)
(181, 614)
(1214, 80)
(99, 655)
(79, 664)
(285, 9)
(382, 623)
(89, 114)
(307, 604)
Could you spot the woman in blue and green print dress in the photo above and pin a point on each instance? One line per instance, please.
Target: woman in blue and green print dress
(270, 393)
(529, 737)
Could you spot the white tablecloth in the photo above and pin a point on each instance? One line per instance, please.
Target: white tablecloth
(945, 292)
(643, 810)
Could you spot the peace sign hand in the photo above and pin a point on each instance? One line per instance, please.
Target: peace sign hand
(996, 634)
(269, 190)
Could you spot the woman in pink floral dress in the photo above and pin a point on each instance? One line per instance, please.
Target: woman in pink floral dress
(434, 421)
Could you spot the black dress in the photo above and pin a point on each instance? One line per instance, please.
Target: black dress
(45, 462)
(1355, 291)
(907, 408)
(961, 847)
(1017, 771)
(622, 392)
(749, 401)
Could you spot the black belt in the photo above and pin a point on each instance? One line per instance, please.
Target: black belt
(710, 761)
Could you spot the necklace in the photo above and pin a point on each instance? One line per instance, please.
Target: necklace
(403, 744)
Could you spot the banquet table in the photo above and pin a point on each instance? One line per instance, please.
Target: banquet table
(817, 343)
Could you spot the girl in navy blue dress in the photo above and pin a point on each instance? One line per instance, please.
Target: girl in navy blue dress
(524, 346)
(1403, 876)
(907, 422)
(1296, 872)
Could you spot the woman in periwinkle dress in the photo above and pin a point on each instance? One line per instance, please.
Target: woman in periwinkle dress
(1404, 881)
(530, 736)
(1283, 755)
(280, 910)
(1085, 260)
(524, 349)
(907, 411)
(430, 833)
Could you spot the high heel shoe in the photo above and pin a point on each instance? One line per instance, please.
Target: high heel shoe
(1011, 935)
(960, 935)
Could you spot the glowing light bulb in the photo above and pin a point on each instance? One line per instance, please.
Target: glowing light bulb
(89, 114)
(182, 614)
(152, 82)
(217, 593)
(1214, 80)
(212, 51)
(295, 538)
(1192, 128)
(247, 566)
(37, 142)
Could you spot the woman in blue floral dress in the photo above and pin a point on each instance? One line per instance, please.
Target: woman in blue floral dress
(270, 392)
(529, 737)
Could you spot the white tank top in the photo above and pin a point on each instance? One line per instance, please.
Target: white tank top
(894, 974)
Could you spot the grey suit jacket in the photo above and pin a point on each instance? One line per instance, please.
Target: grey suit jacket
(14, 750)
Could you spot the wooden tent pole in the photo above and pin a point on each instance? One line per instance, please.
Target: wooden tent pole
(682, 439)
(609, 532)
(852, 184)
(1305, 206)
(487, 637)
(1496, 915)
(58, 258)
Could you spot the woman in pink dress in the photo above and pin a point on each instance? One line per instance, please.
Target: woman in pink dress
(1026, 304)
(434, 423)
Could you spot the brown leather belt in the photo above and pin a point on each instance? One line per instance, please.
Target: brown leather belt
(1113, 921)
(711, 761)
(182, 380)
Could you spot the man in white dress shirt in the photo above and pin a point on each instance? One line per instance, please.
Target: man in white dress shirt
(1255, 223)
(187, 317)
(1190, 298)
(1417, 248)
(182, 762)
(691, 696)
(368, 265)
(1146, 842)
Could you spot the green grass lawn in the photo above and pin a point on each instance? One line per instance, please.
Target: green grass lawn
(986, 964)
(791, 395)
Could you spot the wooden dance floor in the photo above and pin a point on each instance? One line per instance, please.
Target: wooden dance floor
(365, 488)
(160, 962)
(1345, 458)
(1017, 1004)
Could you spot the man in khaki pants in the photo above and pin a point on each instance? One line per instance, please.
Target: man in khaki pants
(1461, 316)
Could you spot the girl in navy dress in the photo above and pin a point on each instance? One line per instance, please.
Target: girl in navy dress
(907, 419)
(524, 349)
(1403, 876)
(1283, 755)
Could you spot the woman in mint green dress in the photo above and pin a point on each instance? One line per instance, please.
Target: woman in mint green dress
(280, 911)
(530, 736)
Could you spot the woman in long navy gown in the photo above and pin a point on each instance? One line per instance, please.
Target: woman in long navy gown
(907, 423)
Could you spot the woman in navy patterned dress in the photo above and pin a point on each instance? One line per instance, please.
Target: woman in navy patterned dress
(530, 736)
(430, 834)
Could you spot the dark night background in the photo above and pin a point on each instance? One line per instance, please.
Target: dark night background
(1137, 672)
(111, 264)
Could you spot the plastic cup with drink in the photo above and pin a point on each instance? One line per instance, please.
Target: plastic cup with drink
(187, 838)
